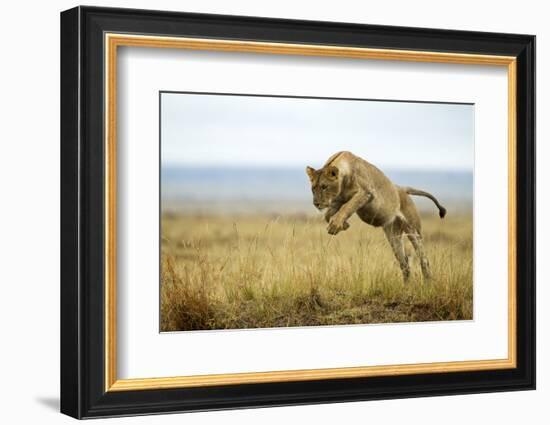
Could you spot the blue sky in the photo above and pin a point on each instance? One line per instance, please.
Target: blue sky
(247, 131)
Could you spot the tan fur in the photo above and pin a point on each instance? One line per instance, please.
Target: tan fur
(347, 185)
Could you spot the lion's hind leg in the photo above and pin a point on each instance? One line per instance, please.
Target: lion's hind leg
(394, 234)
(416, 240)
(412, 228)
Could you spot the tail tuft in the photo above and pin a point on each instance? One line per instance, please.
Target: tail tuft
(442, 212)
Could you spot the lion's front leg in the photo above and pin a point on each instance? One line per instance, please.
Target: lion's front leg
(333, 209)
(338, 221)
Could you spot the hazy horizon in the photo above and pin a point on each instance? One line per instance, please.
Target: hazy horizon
(282, 190)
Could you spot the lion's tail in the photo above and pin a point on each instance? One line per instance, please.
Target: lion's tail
(412, 191)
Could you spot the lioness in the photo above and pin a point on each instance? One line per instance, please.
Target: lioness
(348, 184)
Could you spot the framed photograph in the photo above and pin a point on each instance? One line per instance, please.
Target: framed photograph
(261, 212)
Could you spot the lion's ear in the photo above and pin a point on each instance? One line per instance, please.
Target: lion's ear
(310, 172)
(332, 172)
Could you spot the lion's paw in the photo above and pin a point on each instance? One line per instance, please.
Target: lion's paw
(335, 226)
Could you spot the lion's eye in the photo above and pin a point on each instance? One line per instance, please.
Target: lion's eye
(324, 187)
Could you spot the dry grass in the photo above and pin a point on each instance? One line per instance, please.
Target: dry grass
(259, 271)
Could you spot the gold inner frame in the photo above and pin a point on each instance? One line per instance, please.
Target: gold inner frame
(113, 41)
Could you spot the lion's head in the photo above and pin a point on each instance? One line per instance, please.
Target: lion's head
(325, 185)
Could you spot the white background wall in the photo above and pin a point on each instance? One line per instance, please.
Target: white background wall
(29, 212)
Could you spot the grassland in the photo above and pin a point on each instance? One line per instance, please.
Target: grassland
(267, 271)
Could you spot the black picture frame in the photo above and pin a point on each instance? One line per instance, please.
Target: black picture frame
(83, 392)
